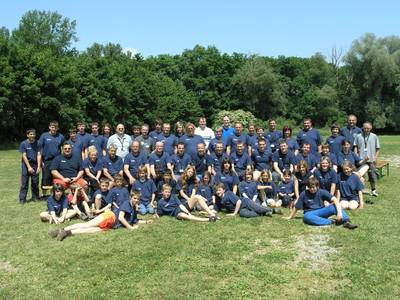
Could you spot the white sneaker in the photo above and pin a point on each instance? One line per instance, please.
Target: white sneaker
(374, 193)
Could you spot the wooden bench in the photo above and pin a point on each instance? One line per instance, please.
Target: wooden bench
(382, 168)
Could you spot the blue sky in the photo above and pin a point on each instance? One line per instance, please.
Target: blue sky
(271, 28)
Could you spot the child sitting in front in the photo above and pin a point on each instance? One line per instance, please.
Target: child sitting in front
(267, 192)
(99, 197)
(79, 201)
(57, 207)
(286, 189)
(170, 205)
(147, 189)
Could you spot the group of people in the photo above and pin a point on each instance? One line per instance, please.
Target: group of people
(111, 178)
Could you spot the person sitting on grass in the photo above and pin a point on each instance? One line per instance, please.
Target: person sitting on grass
(350, 189)
(57, 207)
(326, 175)
(267, 192)
(124, 216)
(301, 178)
(286, 189)
(147, 189)
(206, 189)
(118, 194)
(79, 201)
(227, 200)
(318, 205)
(188, 190)
(99, 197)
(170, 205)
(248, 187)
(166, 179)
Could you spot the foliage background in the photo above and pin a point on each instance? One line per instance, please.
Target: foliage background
(42, 77)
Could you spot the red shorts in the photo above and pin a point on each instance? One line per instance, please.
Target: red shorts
(108, 220)
(81, 182)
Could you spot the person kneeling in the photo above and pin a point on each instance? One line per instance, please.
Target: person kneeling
(124, 216)
(318, 206)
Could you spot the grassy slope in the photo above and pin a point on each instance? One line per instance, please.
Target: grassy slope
(230, 259)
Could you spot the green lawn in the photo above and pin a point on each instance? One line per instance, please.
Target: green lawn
(233, 258)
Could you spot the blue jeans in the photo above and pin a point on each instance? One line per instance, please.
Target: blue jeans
(251, 209)
(319, 217)
(146, 208)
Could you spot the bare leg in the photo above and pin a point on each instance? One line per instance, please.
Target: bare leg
(70, 214)
(184, 216)
(202, 202)
(92, 223)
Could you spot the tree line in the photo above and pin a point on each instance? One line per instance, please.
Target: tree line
(43, 77)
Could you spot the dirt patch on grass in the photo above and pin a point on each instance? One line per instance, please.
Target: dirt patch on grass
(6, 266)
(313, 250)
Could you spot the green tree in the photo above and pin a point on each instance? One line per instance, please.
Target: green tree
(261, 88)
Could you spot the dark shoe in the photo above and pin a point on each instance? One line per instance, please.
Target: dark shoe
(63, 234)
(83, 217)
(212, 218)
(54, 233)
(90, 216)
(350, 225)
(22, 202)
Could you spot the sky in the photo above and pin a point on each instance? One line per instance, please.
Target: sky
(268, 28)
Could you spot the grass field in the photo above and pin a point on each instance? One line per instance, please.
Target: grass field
(233, 258)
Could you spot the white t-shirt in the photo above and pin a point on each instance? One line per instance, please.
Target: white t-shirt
(207, 134)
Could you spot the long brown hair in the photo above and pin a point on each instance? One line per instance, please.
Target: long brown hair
(186, 179)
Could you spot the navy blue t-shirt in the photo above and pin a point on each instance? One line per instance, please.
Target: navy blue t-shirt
(68, 167)
(31, 150)
(262, 160)
(351, 157)
(350, 186)
(228, 179)
(57, 206)
(312, 136)
(189, 187)
(113, 165)
(207, 192)
(269, 193)
(102, 194)
(160, 184)
(169, 207)
(228, 202)
(170, 142)
(201, 163)
(130, 214)
(191, 143)
(99, 142)
(350, 133)
(93, 167)
(286, 187)
(118, 195)
(284, 160)
(216, 161)
(180, 162)
(50, 145)
(309, 201)
(326, 179)
(134, 162)
(241, 161)
(156, 135)
(146, 188)
(249, 188)
(273, 137)
(234, 139)
(335, 143)
(159, 161)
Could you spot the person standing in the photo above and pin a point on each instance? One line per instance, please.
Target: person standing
(205, 132)
(367, 146)
(121, 140)
(351, 130)
(50, 144)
